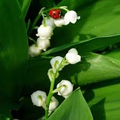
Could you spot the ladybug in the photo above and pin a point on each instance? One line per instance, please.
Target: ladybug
(55, 13)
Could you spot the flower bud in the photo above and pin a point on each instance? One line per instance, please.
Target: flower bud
(59, 22)
(65, 88)
(55, 62)
(38, 98)
(72, 56)
(34, 50)
(44, 32)
(43, 44)
(71, 16)
(53, 104)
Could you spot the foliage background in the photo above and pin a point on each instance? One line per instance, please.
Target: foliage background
(96, 36)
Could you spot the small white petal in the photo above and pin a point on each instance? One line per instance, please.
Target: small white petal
(70, 16)
(53, 60)
(43, 44)
(59, 22)
(73, 50)
(72, 56)
(49, 22)
(66, 89)
(38, 98)
(45, 32)
(34, 50)
(53, 104)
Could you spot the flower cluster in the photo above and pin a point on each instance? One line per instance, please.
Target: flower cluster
(45, 30)
(63, 88)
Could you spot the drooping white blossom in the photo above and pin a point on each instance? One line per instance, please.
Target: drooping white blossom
(53, 104)
(72, 56)
(34, 50)
(43, 44)
(55, 62)
(44, 32)
(49, 22)
(65, 88)
(38, 98)
(70, 17)
(59, 22)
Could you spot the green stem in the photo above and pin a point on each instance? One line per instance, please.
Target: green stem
(50, 94)
(44, 21)
(35, 21)
(64, 8)
(32, 40)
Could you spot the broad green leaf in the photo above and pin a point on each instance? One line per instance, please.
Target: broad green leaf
(104, 100)
(24, 6)
(94, 68)
(75, 4)
(73, 108)
(115, 54)
(13, 53)
(86, 45)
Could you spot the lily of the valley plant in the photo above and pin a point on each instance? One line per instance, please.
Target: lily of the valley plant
(64, 88)
(44, 32)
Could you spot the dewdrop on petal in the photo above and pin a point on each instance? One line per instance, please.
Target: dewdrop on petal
(43, 44)
(53, 104)
(44, 32)
(65, 88)
(71, 17)
(34, 50)
(72, 56)
(38, 98)
(59, 22)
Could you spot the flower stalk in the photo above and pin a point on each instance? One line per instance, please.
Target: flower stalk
(50, 94)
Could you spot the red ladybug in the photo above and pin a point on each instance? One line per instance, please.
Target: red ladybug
(55, 13)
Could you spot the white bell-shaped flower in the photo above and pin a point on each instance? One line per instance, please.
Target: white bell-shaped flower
(65, 87)
(44, 32)
(72, 56)
(43, 44)
(38, 98)
(59, 22)
(49, 22)
(55, 62)
(34, 50)
(70, 17)
(53, 104)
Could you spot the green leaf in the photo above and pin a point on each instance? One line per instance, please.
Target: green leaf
(94, 68)
(25, 6)
(47, 3)
(13, 54)
(73, 108)
(104, 100)
(86, 45)
(115, 54)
